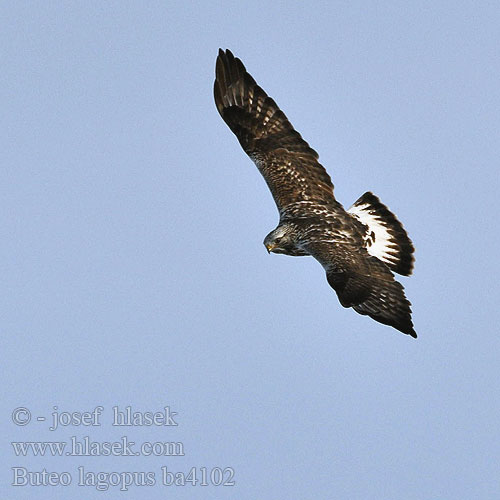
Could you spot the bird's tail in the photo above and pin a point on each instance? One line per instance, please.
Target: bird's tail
(386, 237)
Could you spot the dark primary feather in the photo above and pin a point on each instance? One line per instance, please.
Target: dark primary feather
(289, 166)
(364, 283)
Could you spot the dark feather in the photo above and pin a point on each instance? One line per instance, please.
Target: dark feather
(365, 283)
(289, 166)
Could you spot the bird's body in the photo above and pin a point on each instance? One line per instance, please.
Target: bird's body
(359, 247)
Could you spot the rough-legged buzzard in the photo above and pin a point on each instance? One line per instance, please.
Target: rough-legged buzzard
(358, 248)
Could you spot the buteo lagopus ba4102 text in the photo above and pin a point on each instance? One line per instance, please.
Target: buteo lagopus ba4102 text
(358, 248)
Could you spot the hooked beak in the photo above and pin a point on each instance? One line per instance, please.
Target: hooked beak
(270, 247)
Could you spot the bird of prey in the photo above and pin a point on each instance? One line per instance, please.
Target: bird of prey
(359, 248)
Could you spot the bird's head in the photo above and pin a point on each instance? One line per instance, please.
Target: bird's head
(283, 239)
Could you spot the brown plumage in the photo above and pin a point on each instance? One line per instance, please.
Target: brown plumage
(358, 248)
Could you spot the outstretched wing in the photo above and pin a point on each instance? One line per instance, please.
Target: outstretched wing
(289, 166)
(364, 283)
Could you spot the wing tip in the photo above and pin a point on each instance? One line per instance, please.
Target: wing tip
(226, 57)
(230, 79)
(408, 330)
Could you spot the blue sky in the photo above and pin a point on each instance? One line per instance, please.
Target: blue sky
(132, 260)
